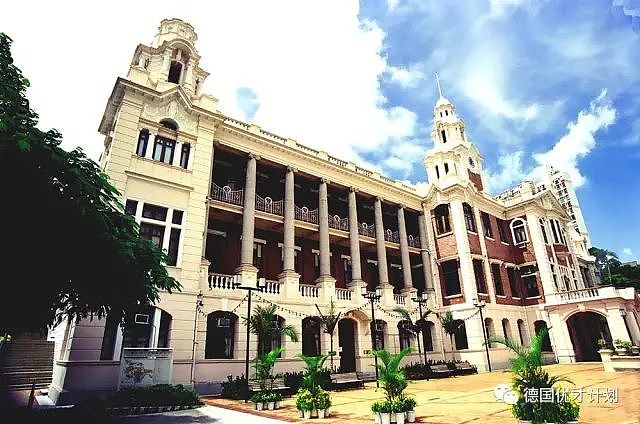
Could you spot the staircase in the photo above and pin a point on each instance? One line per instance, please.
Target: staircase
(26, 360)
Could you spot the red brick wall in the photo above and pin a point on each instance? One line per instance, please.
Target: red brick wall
(476, 180)
(474, 243)
(446, 246)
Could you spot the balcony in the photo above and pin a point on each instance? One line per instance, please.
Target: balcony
(392, 236)
(589, 294)
(339, 223)
(367, 230)
(267, 205)
(226, 195)
(305, 215)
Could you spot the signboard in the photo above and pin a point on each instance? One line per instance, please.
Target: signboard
(333, 353)
(367, 351)
(145, 367)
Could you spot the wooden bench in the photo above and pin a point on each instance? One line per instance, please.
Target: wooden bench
(465, 368)
(347, 379)
(440, 370)
(276, 385)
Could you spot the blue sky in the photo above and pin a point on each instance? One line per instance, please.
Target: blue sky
(537, 81)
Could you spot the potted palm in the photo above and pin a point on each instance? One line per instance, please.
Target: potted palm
(393, 382)
(270, 400)
(258, 400)
(277, 398)
(410, 408)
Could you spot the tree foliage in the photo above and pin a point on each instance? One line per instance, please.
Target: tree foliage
(264, 324)
(391, 377)
(613, 271)
(69, 251)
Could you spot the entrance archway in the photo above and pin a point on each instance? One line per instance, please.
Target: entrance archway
(347, 342)
(585, 328)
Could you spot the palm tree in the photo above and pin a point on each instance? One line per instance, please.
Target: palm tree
(264, 324)
(415, 329)
(450, 326)
(389, 373)
(263, 366)
(329, 323)
(313, 366)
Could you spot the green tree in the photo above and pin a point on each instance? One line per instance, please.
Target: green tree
(69, 249)
(264, 324)
(449, 325)
(313, 366)
(414, 328)
(390, 375)
(605, 260)
(329, 323)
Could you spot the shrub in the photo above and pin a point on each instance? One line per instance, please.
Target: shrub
(322, 399)
(410, 403)
(259, 397)
(376, 407)
(304, 400)
(234, 388)
(158, 395)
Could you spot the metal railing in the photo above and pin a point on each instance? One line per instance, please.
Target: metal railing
(413, 241)
(339, 223)
(267, 205)
(309, 290)
(304, 214)
(223, 281)
(225, 194)
(392, 236)
(367, 230)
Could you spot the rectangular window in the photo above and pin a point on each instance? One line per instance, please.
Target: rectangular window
(143, 139)
(451, 277)
(555, 277)
(316, 264)
(154, 212)
(163, 150)
(554, 230)
(530, 281)
(131, 207)
(174, 242)
(469, 220)
(543, 229)
(513, 283)
(441, 214)
(479, 274)
(184, 155)
(486, 224)
(153, 232)
(346, 262)
(258, 261)
(497, 279)
(177, 217)
(502, 230)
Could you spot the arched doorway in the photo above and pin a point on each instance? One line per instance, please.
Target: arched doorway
(585, 328)
(311, 336)
(347, 343)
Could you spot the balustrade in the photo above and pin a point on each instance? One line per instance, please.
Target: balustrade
(343, 294)
(304, 214)
(268, 205)
(413, 241)
(308, 290)
(271, 287)
(399, 299)
(587, 293)
(367, 230)
(339, 223)
(227, 195)
(392, 236)
(223, 281)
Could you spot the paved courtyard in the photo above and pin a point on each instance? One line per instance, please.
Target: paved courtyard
(470, 398)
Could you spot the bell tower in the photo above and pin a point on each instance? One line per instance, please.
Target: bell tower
(453, 158)
(171, 61)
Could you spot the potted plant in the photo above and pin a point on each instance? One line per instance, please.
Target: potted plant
(322, 403)
(410, 408)
(376, 408)
(304, 402)
(398, 411)
(622, 347)
(270, 400)
(277, 398)
(258, 400)
(386, 408)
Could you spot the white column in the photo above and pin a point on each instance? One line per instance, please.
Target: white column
(354, 238)
(404, 251)
(177, 151)
(540, 250)
(150, 143)
(383, 270)
(325, 278)
(467, 275)
(424, 253)
(288, 252)
(155, 330)
(248, 272)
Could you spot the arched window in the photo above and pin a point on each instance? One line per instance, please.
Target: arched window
(169, 124)
(488, 328)
(143, 139)
(379, 328)
(405, 334)
(175, 72)
(546, 341)
(427, 336)
(272, 340)
(443, 134)
(164, 146)
(543, 229)
(469, 220)
(518, 231)
(311, 336)
(221, 331)
(441, 214)
(506, 328)
(460, 335)
(521, 331)
(151, 328)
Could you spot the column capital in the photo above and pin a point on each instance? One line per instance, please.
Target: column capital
(254, 156)
(402, 206)
(380, 198)
(354, 189)
(292, 169)
(324, 180)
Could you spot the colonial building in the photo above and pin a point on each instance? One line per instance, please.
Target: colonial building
(232, 203)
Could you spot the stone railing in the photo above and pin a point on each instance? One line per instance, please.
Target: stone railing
(337, 161)
(237, 124)
(304, 214)
(339, 223)
(268, 205)
(223, 281)
(309, 290)
(392, 236)
(225, 194)
(413, 241)
(588, 293)
(399, 299)
(343, 294)
(367, 230)
(271, 287)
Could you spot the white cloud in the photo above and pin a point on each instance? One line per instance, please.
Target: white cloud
(578, 141)
(421, 188)
(406, 77)
(499, 7)
(510, 172)
(315, 83)
(628, 252)
(392, 4)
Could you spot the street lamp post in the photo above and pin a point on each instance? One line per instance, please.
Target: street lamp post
(372, 297)
(420, 300)
(480, 304)
(259, 287)
(199, 310)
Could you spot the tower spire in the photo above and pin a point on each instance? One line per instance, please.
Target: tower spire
(438, 83)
